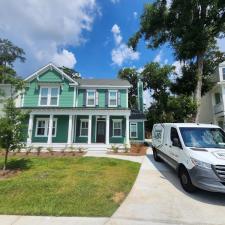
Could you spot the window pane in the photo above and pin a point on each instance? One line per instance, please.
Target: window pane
(91, 94)
(223, 73)
(133, 134)
(84, 132)
(117, 132)
(40, 131)
(53, 101)
(54, 92)
(117, 124)
(91, 101)
(44, 92)
(84, 124)
(113, 95)
(112, 102)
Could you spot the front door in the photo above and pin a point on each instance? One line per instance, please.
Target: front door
(100, 136)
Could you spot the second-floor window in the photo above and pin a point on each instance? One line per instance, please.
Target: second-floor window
(217, 98)
(113, 98)
(223, 72)
(90, 98)
(49, 96)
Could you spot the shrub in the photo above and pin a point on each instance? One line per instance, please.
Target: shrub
(29, 149)
(50, 150)
(115, 148)
(39, 149)
(126, 148)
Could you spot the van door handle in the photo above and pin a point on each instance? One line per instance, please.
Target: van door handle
(170, 146)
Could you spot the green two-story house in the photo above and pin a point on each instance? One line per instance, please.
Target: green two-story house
(81, 112)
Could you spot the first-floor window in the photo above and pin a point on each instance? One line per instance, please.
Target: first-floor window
(84, 128)
(133, 130)
(117, 128)
(42, 127)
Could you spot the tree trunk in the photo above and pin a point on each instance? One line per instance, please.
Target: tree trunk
(198, 89)
(6, 159)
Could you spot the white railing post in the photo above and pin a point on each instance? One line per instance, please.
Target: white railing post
(89, 129)
(107, 129)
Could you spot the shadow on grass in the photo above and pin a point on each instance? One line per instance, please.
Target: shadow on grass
(19, 164)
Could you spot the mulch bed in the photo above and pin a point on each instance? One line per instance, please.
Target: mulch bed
(136, 150)
(46, 154)
(8, 173)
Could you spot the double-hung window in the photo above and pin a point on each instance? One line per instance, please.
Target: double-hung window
(217, 98)
(113, 98)
(42, 127)
(49, 96)
(133, 130)
(84, 128)
(117, 128)
(223, 72)
(90, 98)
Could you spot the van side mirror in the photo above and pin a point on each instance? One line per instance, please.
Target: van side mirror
(176, 142)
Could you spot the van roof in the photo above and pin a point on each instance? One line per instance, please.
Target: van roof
(189, 125)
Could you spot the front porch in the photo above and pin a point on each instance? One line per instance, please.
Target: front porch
(91, 129)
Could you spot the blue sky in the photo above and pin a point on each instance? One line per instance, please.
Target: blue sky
(87, 35)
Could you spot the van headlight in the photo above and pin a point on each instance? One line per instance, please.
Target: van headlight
(201, 164)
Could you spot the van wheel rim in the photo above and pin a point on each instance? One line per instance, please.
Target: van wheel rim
(184, 179)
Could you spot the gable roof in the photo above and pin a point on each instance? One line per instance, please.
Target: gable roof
(50, 66)
(103, 82)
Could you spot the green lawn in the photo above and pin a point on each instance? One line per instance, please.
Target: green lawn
(67, 186)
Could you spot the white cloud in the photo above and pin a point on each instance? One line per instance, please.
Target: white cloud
(168, 3)
(41, 28)
(147, 98)
(115, 1)
(178, 68)
(158, 57)
(135, 14)
(116, 33)
(221, 44)
(121, 53)
(140, 70)
(64, 58)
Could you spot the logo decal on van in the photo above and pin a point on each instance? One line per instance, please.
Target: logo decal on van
(219, 155)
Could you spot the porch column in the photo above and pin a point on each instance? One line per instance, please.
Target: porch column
(30, 129)
(89, 129)
(50, 130)
(127, 131)
(107, 129)
(69, 137)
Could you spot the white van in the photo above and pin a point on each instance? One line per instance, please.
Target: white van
(195, 151)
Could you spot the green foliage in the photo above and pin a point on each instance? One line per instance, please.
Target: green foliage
(115, 148)
(191, 29)
(39, 149)
(71, 72)
(131, 75)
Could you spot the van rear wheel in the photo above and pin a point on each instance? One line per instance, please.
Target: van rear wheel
(155, 155)
(185, 181)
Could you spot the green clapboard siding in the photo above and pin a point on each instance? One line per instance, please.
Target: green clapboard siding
(66, 97)
(101, 98)
(61, 133)
(62, 129)
(114, 140)
(79, 139)
(140, 132)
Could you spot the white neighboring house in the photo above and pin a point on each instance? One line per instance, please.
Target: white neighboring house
(5, 92)
(212, 108)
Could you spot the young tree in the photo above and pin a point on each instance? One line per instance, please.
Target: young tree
(11, 123)
(11, 132)
(190, 27)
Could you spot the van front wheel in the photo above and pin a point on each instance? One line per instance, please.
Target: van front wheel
(185, 181)
(155, 155)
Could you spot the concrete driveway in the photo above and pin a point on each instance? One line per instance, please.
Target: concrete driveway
(158, 198)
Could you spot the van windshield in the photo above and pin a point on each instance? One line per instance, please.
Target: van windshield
(203, 137)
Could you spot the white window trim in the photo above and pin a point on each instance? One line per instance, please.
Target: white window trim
(83, 120)
(132, 123)
(116, 91)
(49, 95)
(46, 127)
(121, 128)
(94, 98)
